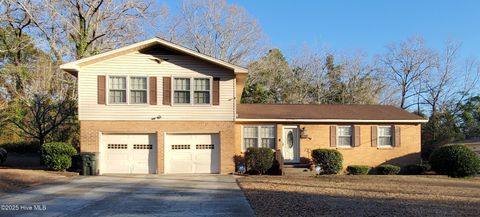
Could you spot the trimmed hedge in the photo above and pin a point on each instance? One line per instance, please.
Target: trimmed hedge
(416, 169)
(259, 159)
(330, 160)
(455, 161)
(21, 147)
(358, 169)
(3, 155)
(58, 155)
(387, 169)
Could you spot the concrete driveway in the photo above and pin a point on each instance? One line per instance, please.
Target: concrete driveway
(138, 195)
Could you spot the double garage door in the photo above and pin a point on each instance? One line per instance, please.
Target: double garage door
(137, 153)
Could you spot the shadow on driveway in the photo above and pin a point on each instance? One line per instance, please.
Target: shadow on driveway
(134, 195)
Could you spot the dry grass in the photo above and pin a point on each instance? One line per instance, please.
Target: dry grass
(362, 195)
(17, 179)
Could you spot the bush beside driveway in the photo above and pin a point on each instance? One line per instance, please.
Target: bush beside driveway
(362, 195)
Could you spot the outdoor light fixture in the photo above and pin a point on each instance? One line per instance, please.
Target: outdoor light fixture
(156, 118)
(303, 133)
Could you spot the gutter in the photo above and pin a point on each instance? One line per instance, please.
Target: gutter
(331, 120)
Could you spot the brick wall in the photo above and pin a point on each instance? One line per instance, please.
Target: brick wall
(90, 132)
(365, 154)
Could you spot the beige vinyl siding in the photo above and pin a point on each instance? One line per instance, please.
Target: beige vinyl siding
(140, 64)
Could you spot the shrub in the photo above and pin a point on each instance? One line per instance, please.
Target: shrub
(275, 169)
(3, 155)
(259, 159)
(58, 155)
(455, 161)
(388, 169)
(330, 160)
(238, 160)
(416, 169)
(358, 169)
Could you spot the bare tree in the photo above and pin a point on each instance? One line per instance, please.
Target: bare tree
(47, 103)
(437, 83)
(13, 24)
(273, 73)
(404, 64)
(363, 82)
(218, 29)
(449, 82)
(3, 113)
(80, 28)
(312, 64)
(336, 78)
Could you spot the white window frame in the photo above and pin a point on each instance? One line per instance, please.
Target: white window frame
(209, 91)
(146, 90)
(391, 137)
(338, 136)
(259, 138)
(173, 90)
(192, 91)
(109, 89)
(127, 78)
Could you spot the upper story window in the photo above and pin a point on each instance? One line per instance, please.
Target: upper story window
(344, 136)
(201, 94)
(132, 89)
(259, 136)
(181, 93)
(191, 91)
(117, 90)
(138, 90)
(385, 136)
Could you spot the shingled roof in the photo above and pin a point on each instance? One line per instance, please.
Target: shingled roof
(325, 113)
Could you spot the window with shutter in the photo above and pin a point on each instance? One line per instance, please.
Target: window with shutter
(344, 136)
(385, 136)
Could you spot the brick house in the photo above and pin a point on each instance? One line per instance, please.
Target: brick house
(156, 107)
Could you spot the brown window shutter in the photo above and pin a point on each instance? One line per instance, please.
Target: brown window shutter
(216, 91)
(153, 90)
(374, 136)
(356, 136)
(167, 91)
(397, 136)
(333, 136)
(101, 89)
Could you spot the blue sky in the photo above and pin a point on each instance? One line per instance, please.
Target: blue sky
(368, 25)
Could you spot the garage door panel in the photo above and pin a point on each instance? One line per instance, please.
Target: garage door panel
(182, 157)
(192, 153)
(129, 153)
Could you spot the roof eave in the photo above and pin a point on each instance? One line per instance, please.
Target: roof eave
(330, 120)
(74, 67)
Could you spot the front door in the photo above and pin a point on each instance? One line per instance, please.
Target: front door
(291, 144)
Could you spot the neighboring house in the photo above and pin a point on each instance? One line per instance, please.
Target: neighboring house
(474, 144)
(156, 107)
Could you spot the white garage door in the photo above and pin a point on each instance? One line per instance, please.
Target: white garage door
(129, 153)
(192, 153)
